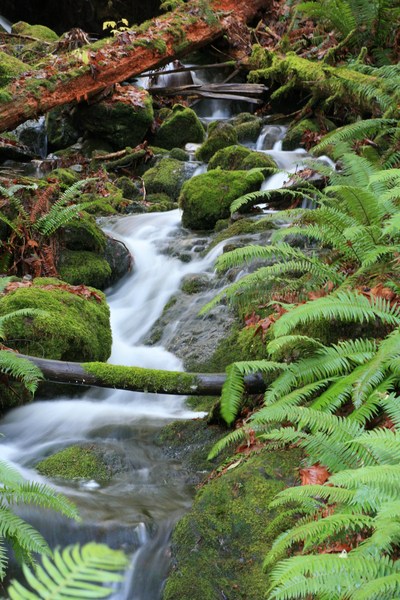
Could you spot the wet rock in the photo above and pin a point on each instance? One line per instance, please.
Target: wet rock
(207, 198)
(167, 177)
(119, 259)
(179, 127)
(116, 122)
(194, 283)
(60, 129)
(220, 135)
(32, 133)
(248, 127)
(295, 133)
(135, 207)
(234, 158)
(11, 150)
(271, 135)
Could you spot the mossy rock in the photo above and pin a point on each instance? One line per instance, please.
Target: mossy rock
(163, 206)
(193, 284)
(120, 125)
(180, 127)
(105, 205)
(130, 189)
(179, 154)
(207, 198)
(94, 146)
(83, 233)
(167, 177)
(220, 135)
(234, 158)
(248, 127)
(294, 135)
(241, 227)
(82, 267)
(37, 31)
(10, 68)
(60, 129)
(76, 462)
(157, 198)
(75, 329)
(222, 543)
(66, 176)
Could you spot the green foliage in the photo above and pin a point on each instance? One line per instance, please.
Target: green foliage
(74, 573)
(25, 540)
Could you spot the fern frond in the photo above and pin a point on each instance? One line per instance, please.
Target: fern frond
(21, 369)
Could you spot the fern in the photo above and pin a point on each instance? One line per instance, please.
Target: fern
(75, 573)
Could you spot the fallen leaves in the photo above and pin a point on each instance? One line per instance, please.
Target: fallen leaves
(314, 475)
(78, 290)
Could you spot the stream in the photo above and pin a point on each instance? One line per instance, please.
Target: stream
(138, 508)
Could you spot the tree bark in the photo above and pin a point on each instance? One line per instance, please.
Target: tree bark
(137, 379)
(121, 59)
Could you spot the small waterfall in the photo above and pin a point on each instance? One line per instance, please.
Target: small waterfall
(6, 24)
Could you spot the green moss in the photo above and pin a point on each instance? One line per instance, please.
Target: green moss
(238, 157)
(206, 198)
(194, 285)
(242, 227)
(75, 329)
(248, 131)
(220, 135)
(157, 198)
(100, 44)
(149, 380)
(179, 127)
(179, 154)
(59, 128)
(75, 462)
(166, 177)
(169, 304)
(221, 544)
(120, 125)
(82, 267)
(82, 233)
(36, 31)
(157, 150)
(66, 176)
(10, 68)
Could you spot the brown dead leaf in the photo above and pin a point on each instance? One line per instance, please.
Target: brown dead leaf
(314, 475)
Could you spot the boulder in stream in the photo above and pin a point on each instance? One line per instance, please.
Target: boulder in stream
(220, 135)
(179, 127)
(206, 198)
(295, 133)
(167, 177)
(234, 158)
(248, 127)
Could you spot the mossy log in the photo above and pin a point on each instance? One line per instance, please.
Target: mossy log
(328, 85)
(112, 61)
(136, 379)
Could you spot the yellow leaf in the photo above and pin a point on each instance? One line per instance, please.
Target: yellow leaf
(85, 57)
(125, 22)
(108, 24)
(234, 465)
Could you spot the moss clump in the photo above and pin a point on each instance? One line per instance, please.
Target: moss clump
(206, 198)
(194, 285)
(105, 205)
(10, 68)
(66, 176)
(60, 130)
(180, 127)
(76, 462)
(248, 127)
(221, 544)
(242, 227)
(220, 135)
(179, 154)
(166, 177)
(75, 329)
(158, 198)
(37, 31)
(148, 380)
(130, 190)
(234, 158)
(169, 304)
(120, 125)
(82, 267)
(83, 233)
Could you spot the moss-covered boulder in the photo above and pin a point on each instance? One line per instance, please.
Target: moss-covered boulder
(206, 198)
(83, 233)
(37, 31)
(234, 158)
(179, 127)
(130, 190)
(167, 177)
(10, 68)
(220, 135)
(76, 462)
(82, 267)
(194, 283)
(60, 129)
(75, 328)
(294, 135)
(179, 154)
(248, 127)
(104, 206)
(66, 176)
(222, 543)
(118, 123)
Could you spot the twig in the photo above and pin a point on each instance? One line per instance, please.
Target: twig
(24, 37)
(112, 155)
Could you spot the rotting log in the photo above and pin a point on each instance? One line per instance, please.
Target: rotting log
(126, 55)
(137, 379)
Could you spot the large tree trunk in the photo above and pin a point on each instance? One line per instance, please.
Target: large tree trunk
(137, 379)
(123, 58)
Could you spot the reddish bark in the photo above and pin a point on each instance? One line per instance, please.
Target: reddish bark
(122, 63)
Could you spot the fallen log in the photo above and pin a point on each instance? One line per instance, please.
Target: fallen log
(136, 379)
(224, 91)
(86, 72)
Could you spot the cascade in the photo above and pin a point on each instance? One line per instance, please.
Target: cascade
(137, 508)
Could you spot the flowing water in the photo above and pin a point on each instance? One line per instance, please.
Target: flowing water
(139, 506)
